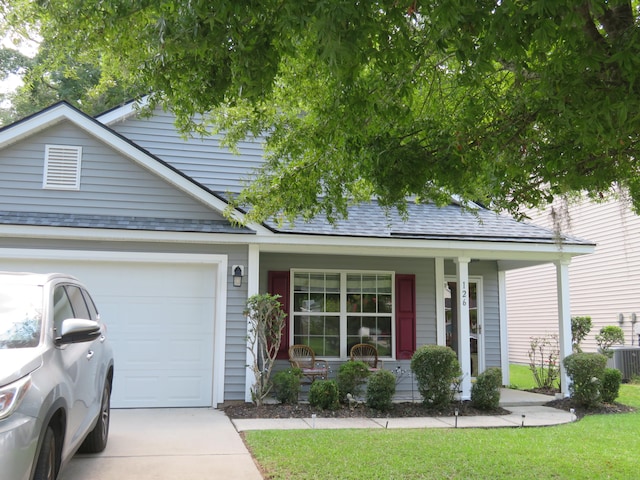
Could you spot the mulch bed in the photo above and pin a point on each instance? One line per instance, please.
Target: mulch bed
(569, 404)
(403, 409)
(304, 410)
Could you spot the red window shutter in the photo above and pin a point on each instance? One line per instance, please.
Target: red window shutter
(279, 285)
(405, 316)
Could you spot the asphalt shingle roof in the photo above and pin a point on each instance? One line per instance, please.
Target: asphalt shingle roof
(428, 221)
(119, 222)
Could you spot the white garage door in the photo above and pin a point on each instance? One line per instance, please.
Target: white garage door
(160, 321)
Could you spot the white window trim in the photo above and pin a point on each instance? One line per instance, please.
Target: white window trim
(62, 166)
(344, 355)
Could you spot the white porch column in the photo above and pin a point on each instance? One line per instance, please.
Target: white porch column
(504, 331)
(252, 276)
(464, 349)
(441, 327)
(564, 319)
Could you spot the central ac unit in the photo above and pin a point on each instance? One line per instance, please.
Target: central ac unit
(627, 360)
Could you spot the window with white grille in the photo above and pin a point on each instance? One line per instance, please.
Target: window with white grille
(62, 167)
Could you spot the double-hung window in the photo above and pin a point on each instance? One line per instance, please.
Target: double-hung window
(332, 311)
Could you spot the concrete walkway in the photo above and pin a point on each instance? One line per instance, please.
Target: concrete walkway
(526, 409)
(167, 444)
(531, 416)
(202, 443)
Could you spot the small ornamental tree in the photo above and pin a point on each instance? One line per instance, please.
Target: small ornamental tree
(544, 360)
(608, 337)
(266, 320)
(580, 328)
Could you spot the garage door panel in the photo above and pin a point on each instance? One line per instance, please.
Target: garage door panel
(160, 322)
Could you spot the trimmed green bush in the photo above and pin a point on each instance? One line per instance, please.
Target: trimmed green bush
(586, 371)
(380, 390)
(485, 393)
(436, 369)
(324, 394)
(287, 385)
(611, 381)
(609, 336)
(351, 378)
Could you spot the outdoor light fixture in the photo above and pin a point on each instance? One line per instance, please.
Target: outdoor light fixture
(621, 318)
(238, 273)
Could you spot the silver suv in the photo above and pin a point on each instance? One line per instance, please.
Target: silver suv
(56, 372)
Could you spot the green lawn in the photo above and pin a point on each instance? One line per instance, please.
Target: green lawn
(604, 446)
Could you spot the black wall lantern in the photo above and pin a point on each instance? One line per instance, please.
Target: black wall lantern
(238, 273)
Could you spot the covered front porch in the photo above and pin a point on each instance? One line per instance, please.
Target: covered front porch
(422, 289)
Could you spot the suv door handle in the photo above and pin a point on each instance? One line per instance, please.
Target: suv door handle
(90, 354)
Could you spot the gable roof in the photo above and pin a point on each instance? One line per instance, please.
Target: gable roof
(425, 230)
(63, 111)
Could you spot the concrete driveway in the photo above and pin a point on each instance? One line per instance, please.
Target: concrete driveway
(167, 444)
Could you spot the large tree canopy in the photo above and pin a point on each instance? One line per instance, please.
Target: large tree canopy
(45, 83)
(506, 102)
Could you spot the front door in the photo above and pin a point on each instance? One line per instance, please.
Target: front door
(475, 323)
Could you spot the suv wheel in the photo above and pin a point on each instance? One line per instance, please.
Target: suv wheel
(96, 441)
(46, 466)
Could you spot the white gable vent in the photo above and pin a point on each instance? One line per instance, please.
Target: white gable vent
(62, 167)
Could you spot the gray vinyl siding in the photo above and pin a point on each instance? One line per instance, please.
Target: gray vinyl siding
(203, 159)
(491, 294)
(110, 184)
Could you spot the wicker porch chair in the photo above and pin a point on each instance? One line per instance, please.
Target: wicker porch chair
(368, 354)
(304, 358)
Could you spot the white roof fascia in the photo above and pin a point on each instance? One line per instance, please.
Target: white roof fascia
(417, 247)
(501, 251)
(123, 112)
(64, 112)
(122, 235)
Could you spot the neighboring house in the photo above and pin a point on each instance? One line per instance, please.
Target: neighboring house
(604, 285)
(135, 211)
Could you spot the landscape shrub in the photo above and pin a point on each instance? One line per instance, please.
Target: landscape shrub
(580, 328)
(351, 378)
(608, 337)
(586, 371)
(544, 363)
(436, 369)
(381, 389)
(485, 393)
(611, 380)
(324, 394)
(287, 385)
(264, 335)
